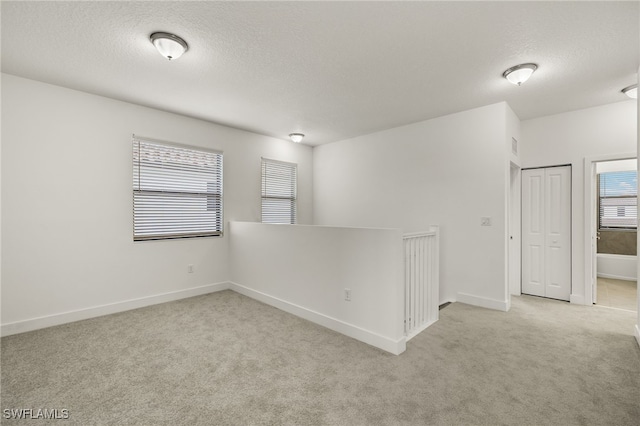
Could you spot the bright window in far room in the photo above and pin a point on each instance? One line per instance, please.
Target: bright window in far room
(279, 192)
(617, 200)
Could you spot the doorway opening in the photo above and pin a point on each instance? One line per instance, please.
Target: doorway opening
(615, 194)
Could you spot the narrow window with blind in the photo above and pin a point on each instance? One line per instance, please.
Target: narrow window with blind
(279, 187)
(177, 191)
(617, 200)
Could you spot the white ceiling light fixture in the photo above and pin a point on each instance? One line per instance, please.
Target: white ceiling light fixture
(296, 137)
(631, 91)
(169, 45)
(519, 73)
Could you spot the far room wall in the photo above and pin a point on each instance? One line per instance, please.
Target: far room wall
(569, 138)
(449, 171)
(67, 200)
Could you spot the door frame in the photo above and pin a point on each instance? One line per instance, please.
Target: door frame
(590, 222)
(571, 223)
(514, 242)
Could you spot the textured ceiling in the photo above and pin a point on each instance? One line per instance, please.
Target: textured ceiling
(331, 70)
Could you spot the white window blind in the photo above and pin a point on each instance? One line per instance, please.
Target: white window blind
(177, 191)
(618, 194)
(279, 187)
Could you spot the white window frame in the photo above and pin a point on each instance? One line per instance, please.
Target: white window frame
(177, 190)
(274, 192)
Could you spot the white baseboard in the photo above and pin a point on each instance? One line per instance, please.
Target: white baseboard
(577, 299)
(637, 333)
(112, 308)
(396, 347)
(483, 302)
(616, 277)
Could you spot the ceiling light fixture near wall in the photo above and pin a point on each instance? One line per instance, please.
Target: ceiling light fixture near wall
(631, 91)
(519, 73)
(169, 45)
(296, 137)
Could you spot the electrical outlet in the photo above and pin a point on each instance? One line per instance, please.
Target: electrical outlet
(347, 294)
(190, 269)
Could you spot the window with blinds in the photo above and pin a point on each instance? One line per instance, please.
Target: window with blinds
(617, 200)
(279, 187)
(177, 191)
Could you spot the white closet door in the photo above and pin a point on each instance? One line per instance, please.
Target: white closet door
(546, 232)
(558, 233)
(533, 235)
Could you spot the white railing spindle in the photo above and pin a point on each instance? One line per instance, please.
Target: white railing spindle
(421, 282)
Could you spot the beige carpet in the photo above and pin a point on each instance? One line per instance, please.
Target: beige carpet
(224, 359)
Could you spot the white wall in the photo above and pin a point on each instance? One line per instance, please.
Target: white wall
(617, 266)
(569, 138)
(67, 203)
(449, 171)
(617, 166)
(305, 269)
(513, 130)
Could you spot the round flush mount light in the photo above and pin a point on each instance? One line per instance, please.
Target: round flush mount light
(631, 91)
(296, 137)
(169, 45)
(519, 73)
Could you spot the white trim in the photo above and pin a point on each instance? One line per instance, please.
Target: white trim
(637, 334)
(431, 233)
(514, 232)
(396, 347)
(616, 277)
(111, 308)
(483, 302)
(577, 299)
(317, 226)
(588, 195)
